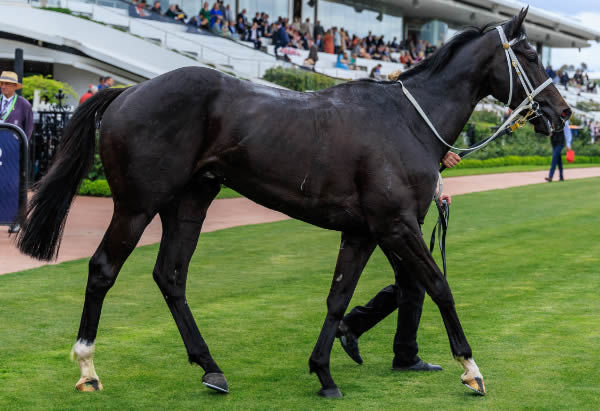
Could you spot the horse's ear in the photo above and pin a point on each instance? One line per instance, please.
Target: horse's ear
(514, 27)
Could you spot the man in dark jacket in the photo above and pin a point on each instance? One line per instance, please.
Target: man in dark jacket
(559, 139)
(407, 297)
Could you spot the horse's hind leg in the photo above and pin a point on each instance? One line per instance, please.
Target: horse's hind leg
(182, 221)
(404, 247)
(119, 241)
(355, 251)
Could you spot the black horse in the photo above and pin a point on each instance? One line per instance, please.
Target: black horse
(356, 158)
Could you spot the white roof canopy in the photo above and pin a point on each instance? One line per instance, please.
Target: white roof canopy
(551, 29)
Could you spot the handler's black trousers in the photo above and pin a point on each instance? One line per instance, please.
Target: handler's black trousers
(407, 298)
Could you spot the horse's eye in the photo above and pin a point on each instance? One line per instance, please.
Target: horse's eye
(531, 56)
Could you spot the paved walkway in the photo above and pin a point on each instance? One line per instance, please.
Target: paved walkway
(89, 217)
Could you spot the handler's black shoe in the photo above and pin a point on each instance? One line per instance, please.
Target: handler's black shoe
(418, 366)
(349, 342)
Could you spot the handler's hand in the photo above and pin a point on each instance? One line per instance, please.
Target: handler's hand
(450, 159)
(446, 197)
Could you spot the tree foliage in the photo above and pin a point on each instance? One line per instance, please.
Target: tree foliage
(48, 88)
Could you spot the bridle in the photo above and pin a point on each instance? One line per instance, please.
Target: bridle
(528, 103)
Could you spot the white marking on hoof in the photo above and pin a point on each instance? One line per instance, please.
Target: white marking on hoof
(471, 368)
(472, 377)
(83, 351)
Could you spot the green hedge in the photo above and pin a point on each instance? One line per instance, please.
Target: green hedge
(97, 188)
(100, 188)
(299, 80)
(520, 161)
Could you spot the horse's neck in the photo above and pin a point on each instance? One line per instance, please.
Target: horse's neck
(448, 99)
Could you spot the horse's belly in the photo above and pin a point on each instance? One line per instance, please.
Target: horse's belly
(340, 213)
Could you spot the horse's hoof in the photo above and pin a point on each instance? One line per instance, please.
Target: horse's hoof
(216, 381)
(330, 392)
(88, 385)
(476, 384)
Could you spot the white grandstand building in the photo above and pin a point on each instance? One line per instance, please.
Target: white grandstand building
(107, 41)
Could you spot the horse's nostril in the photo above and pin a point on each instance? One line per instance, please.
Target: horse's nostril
(566, 113)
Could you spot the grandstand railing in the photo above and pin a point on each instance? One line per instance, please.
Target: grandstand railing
(173, 36)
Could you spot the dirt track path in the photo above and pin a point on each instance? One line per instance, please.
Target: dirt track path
(89, 216)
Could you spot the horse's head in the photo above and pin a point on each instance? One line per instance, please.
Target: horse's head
(552, 109)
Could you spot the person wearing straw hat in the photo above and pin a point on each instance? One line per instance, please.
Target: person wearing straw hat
(15, 109)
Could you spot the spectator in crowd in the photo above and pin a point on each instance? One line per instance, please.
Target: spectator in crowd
(551, 73)
(337, 40)
(296, 24)
(109, 81)
(313, 54)
(227, 14)
(559, 139)
(240, 27)
(156, 8)
(370, 39)
(205, 12)
(216, 24)
(306, 27)
(564, 79)
(353, 63)
(375, 71)
(282, 39)
(257, 18)
(101, 84)
(318, 29)
(142, 9)
(228, 31)
(89, 93)
(242, 14)
(328, 46)
(578, 78)
(342, 61)
(254, 35)
(319, 42)
(16, 110)
(591, 87)
(172, 13)
(406, 59)
(215, 13)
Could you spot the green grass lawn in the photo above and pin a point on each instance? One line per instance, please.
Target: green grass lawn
(523, 264)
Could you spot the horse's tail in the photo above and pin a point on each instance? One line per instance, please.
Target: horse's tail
(44, 223)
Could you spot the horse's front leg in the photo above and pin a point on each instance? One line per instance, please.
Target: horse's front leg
(404, 246)
(355, 251)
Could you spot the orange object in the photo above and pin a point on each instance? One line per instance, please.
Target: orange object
(570, 156)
